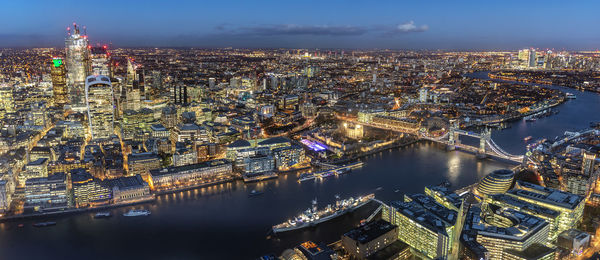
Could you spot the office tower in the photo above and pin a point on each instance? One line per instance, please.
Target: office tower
(423, 95)
(100, 61)
(47, 193)
(78, 67)
(58, 73)
(422, 229)
(587, 163)
(569, 205)
(8, 103)
(499, 181)
(179, 94)
(99, 99)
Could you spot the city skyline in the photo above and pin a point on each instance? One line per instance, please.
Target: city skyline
(334, 24)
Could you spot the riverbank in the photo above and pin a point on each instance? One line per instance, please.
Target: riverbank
(73, 211)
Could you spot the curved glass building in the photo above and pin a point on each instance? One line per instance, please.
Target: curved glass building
(99, 100)
(499, 181)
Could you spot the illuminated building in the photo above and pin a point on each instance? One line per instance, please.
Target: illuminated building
(99, 99)
(193, 175)
(47, 193)
(569, 205)
(510, 234)
(550, 216)
(499, 181)
(257, 164)
(275, 142)
(424, 231)
(34, 169)
(159, 131)
(58, 73)
(8, 103)
(129, 189)
(354, 131)
(587, 163)
(289, 157)
(5, 197)
(142, 163)
(364, 241)
(309, 251)
(169, 117)
(189, 132)
(89, 191)
(78, 67)
(234, 147)
(100, 61)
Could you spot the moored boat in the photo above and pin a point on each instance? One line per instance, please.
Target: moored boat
(137, 213)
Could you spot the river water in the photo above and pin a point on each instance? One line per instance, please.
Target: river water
(222, 222)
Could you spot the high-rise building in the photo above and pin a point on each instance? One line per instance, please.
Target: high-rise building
(587, 163)
(78, 66)
(59, 81)
(99, 99)
(100, 61)
(8, 102)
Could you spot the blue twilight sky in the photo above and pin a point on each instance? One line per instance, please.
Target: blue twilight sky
(396, 24)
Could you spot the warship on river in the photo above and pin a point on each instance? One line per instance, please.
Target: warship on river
(314, 216)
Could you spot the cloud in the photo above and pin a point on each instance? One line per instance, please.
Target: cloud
(293, 29)
(409, 27)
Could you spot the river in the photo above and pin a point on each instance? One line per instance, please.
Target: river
(222, 222)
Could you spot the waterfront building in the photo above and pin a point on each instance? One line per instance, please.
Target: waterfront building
(142, 163)
(426, 233)
(257, 164)
(58, 73)
(47, 193)
(569, 205)
(499, 181)
(99, 98)
(89, 191)
(289, 157)
(34, 169)
(193, 175)
(5, 196)
(397, 123)
(129, 189)
(78, 67)
(364, 241)
(442, 195)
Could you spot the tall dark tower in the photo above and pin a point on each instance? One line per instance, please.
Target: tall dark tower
(59, 81)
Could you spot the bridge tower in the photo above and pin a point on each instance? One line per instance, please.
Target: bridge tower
(453, 137)
(486, 135)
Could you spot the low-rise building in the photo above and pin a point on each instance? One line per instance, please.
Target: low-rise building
(47, 193)
(364, 241)
(193, 175)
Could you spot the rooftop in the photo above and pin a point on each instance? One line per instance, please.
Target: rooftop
(546, 195)
(370, 231)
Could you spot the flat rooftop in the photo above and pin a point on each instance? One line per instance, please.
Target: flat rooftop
(370, 231)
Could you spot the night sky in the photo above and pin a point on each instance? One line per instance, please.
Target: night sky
(450, 25)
